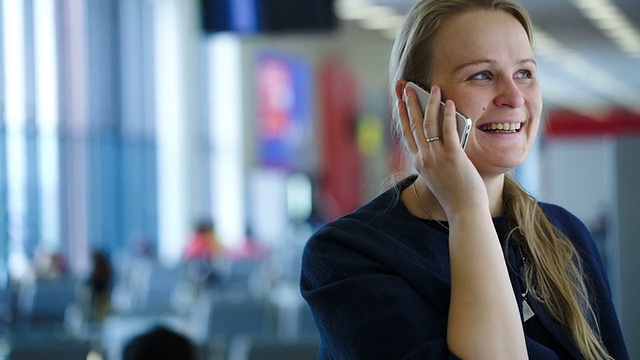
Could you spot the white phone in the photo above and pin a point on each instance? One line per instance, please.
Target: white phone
(464, 122)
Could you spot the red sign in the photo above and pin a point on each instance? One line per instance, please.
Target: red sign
(614, 122)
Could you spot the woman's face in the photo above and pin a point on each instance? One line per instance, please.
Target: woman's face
(484, 63)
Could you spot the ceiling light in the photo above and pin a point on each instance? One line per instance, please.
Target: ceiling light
(368, 12)
(600, 81)
(608, 18)
(360, 9)
(382, 22)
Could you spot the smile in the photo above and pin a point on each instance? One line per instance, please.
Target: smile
(501, 127)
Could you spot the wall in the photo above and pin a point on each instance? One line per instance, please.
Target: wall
(365, 52)
(628, 232)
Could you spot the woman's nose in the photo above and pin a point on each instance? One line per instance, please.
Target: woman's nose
(509, 94)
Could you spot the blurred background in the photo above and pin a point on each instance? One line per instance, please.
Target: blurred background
(163, 162)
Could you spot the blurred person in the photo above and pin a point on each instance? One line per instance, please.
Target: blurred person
(100, 283)
(131, 281)
(48, 265)
(458, 261)
(203, 243)
(201, 253)
(250, 248)
(159, 343)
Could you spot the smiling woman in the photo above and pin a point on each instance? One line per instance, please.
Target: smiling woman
(458, 259)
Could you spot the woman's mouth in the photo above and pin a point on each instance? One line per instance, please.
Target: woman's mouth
(501, 127)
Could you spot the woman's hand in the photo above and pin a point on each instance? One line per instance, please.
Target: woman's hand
(448, 172)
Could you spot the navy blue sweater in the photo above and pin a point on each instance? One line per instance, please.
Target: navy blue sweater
(378, 284)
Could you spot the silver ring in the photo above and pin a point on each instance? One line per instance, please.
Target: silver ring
(431, 139)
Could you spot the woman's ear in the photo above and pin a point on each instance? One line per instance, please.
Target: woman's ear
(400, 85)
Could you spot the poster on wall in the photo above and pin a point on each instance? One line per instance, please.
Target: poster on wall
(284, 112)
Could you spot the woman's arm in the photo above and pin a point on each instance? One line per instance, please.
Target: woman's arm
(484, 321)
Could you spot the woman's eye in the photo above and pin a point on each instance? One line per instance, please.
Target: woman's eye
(524, 74)
(480, 76)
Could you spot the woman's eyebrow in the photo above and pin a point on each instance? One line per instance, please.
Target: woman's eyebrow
(493, 62)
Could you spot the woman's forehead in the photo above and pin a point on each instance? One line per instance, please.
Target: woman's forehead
(482, 34)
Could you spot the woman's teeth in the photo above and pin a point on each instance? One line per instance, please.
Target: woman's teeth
(501, 127)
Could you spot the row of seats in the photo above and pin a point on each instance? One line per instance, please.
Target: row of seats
(221, 327)
(241, 348)
(234, 331)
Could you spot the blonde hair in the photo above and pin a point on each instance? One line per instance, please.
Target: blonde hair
(554, 269)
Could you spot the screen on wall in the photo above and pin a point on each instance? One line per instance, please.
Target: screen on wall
(267, 16)
(285, 134)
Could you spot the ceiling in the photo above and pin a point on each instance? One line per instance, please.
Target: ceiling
(581, 68)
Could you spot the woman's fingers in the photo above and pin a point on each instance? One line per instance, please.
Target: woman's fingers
(432, 118)
(441, 120)
(435, 126)
(450, 124)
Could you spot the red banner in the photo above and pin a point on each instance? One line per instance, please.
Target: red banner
(615, 122)
(341, 169)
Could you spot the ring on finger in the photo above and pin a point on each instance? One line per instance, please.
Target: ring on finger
(432, 139)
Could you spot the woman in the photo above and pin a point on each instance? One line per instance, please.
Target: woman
(458, 261)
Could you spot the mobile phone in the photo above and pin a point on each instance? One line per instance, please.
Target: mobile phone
(464, 122)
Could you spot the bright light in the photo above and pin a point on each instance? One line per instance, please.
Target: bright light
(600, 81)
(299, 197)
(366, 12)
(93, 355)
(226, 120)
(170, 132)
(15, 110)
(352, 9)
(607, 17)
(391, 22)
(46, 68)
(14, 61)
(384, 19)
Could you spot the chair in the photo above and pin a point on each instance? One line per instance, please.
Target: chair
(297, 349)
(228, 320)
(49, 345)
(237, 276)
(7, 306)
(267, 348)
(162, 284)
(45, 301)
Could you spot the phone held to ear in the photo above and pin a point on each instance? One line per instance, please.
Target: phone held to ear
(464, 122)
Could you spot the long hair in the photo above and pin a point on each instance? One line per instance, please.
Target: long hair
(554, 270)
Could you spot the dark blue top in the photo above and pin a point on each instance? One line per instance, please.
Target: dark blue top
(378, 284)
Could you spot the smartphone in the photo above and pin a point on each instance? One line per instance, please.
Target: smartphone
(464, 122)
